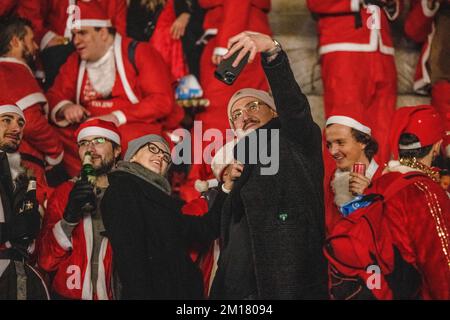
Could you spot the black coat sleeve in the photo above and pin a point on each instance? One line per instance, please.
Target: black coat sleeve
(205, 228)
(292, 105)
(126, 232)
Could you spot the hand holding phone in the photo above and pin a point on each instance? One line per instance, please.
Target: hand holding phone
(225, 71)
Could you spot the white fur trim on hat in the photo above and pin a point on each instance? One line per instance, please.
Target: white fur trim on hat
(10, 108)
(95, 23)
(98, 131)
(349, 122)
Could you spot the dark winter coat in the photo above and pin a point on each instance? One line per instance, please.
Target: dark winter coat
(285, 211)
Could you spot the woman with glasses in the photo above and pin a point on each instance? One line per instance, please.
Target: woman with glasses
(148, 233)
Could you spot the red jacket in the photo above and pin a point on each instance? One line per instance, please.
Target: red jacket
(49, 17)
(39, 140)
(70, 259)
(419, 218)
(337, 30)
(7, 6)
(146, 97)
(332, 213)
(419, 27)
(230, 17)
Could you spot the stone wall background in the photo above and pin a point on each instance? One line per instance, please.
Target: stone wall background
(295, 29)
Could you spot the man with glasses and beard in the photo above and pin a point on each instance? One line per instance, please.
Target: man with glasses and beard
(73, 243)
(41, 146)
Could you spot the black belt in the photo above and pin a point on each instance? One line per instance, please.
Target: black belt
(30, 158)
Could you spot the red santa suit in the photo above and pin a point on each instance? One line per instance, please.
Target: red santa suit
(420, 27)
(8, 7)
(357, 60)
(223, 20)
(49, 17)
(70, 259)
(170, 49)
(419, 218)
(140, 101)
(40, 145)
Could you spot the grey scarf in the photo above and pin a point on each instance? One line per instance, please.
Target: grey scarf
(138, 170)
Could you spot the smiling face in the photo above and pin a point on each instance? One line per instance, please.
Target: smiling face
(11, 131)
(154, 159)
(102, 150)
(249, 113)
(343, 147)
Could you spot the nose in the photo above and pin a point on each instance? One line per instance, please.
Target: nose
(334, 149)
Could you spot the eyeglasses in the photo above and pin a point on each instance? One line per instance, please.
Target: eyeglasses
(95, 142)
(250, 108)
(153, 148)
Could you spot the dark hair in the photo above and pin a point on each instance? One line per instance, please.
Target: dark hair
(444, 173)
(111, 30)
(419, 153)
(371, 148)
(11, 26)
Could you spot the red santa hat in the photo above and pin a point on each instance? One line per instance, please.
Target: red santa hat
(91, 15)
(353, 121)
(11, 108)
(100, 128)
(422, 121)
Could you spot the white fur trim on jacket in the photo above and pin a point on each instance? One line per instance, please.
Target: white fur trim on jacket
(46, 39)
(63, 241)
(59, 106)
(219, 51)
(54, 161)
(427, 11)
(102, 291)
(87, 292)
(355, 5)
(121, 69)
(120, 116)
(31, 100)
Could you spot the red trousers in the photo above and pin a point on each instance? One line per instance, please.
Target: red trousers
(362, 83)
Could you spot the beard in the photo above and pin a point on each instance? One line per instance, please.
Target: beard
(9, 147)
(105, 166)
(29, 58)
(340, 186)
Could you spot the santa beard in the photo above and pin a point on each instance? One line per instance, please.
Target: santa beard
(340, 186)
(102, 74)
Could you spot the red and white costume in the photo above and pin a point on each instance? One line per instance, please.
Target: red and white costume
(70, 259)
(419, 219)
(49, 17)
(40, 141)
(419, 26)
(357, 60)
(141, 101)
(225, 19)
(170, 49)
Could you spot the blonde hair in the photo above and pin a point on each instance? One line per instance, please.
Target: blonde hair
(152, 4)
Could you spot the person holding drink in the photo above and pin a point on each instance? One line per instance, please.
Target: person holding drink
(73, 242)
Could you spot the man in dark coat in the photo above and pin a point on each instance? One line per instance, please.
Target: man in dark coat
(272, 225)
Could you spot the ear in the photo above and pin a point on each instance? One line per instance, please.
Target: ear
(15, 42)
(436, 148)
(104, 33)
(117, 151)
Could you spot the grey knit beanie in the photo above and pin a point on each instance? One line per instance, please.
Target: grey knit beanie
(135, 145)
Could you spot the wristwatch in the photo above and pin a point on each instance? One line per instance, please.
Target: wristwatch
(275, 50)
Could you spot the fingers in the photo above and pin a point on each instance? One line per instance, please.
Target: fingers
(358, 183)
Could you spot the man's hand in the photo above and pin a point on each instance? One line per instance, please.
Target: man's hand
(358, 183)
(108, 117)
(178, 28)
(81, 195)
(248, 41)
(74, 113)
(231, 174)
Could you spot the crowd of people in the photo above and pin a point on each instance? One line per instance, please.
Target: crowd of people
(93, 206)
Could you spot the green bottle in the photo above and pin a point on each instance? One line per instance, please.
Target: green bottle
(88, 171)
